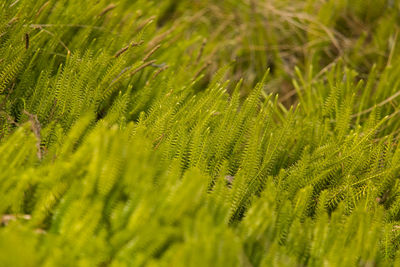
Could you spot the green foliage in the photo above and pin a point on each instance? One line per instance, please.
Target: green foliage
(149, 133)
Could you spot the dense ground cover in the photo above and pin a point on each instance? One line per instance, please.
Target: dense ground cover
(199, 133)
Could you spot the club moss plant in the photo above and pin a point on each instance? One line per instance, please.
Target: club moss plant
(199, 133)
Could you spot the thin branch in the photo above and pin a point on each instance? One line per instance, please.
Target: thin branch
(152, 51)
(387, 100)
(107, 9)
(144, 65)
